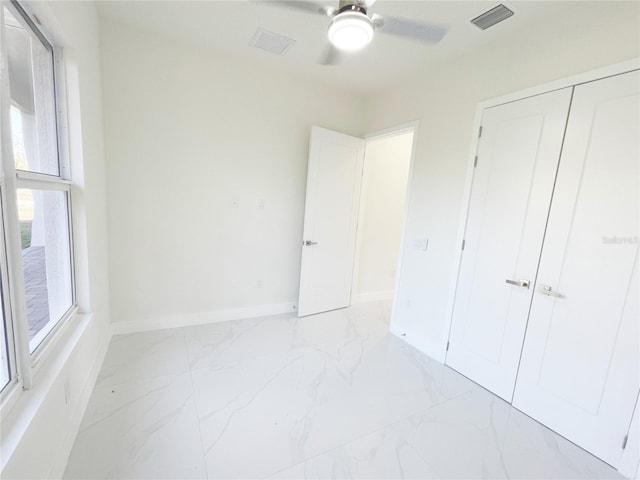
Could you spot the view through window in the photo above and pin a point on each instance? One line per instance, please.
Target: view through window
(42, 195)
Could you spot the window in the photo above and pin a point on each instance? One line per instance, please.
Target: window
(46, 259)
(36, 236)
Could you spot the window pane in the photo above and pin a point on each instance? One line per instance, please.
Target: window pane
(33, 109)
(46, 259)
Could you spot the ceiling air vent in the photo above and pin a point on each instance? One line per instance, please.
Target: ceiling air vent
(271, 42)
(491, 17)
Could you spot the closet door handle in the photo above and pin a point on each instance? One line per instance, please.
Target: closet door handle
(518, 283)
(548, 291)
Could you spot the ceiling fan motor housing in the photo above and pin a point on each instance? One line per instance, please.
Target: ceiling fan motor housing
(351, 6)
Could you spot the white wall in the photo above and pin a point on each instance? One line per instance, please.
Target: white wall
(444, 98)
(384, 188)
(206, 175)
(40, 425)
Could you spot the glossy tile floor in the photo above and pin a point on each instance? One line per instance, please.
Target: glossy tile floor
(328, 396)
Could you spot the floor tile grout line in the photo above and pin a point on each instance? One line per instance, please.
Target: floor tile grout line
(476, 388)
(257, 322)
(250, 357)
(309, 347)
(138, 380)
(247, 359)
(377, 430)
(344, 444)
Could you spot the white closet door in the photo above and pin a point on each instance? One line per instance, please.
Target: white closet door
(512, 185)
(579, 373)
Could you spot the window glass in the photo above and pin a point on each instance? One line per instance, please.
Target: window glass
(32, 91)
(46, 259)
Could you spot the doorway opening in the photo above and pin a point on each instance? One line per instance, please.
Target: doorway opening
(381, 220)
(354, 217)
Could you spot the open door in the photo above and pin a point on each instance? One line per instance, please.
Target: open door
(334, 177)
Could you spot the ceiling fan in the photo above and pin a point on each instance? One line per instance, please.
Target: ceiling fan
(351, 28)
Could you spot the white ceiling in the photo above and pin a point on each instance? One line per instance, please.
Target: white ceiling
(228, 26)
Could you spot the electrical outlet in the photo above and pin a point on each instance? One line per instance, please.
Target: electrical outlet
(259, 283)
(261, 204)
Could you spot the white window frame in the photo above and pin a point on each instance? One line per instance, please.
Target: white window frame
(5, 298)
(23, 363)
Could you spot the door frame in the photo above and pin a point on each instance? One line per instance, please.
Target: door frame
(412, 126)
(630, 458)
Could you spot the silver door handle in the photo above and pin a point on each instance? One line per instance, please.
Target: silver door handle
(546, 290)
(518, 283)
(309, 243)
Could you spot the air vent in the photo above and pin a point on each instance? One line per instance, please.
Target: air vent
(271, 42)
(491, 17)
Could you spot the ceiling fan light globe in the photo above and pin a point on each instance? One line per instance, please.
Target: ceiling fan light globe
(350, 31)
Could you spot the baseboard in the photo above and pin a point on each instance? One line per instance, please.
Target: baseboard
(372, 296)
(186, 320)
(426, 346)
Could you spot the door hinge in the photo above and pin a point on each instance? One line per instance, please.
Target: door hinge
(475, 162)
(624, 442)
(463, 242)
(480, 131)
(447, 346)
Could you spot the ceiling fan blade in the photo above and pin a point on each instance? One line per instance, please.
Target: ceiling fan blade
(330, 56)
(302, 6)
(422, 32)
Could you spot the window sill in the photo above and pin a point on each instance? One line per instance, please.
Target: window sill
(53, 338)
(56, 349)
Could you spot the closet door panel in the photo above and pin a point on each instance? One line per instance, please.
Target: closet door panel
(579, 373)
(512, 185)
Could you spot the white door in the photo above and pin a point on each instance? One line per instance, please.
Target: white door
(579, 373)
(517, 161)
(334, 178)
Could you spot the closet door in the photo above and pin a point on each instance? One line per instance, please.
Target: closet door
(512, 185)
(579, 373)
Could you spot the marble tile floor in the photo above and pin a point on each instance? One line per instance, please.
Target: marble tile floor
(333, 395)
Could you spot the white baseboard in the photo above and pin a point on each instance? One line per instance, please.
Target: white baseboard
(223, 315)
(425, 345)
(372, 296)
